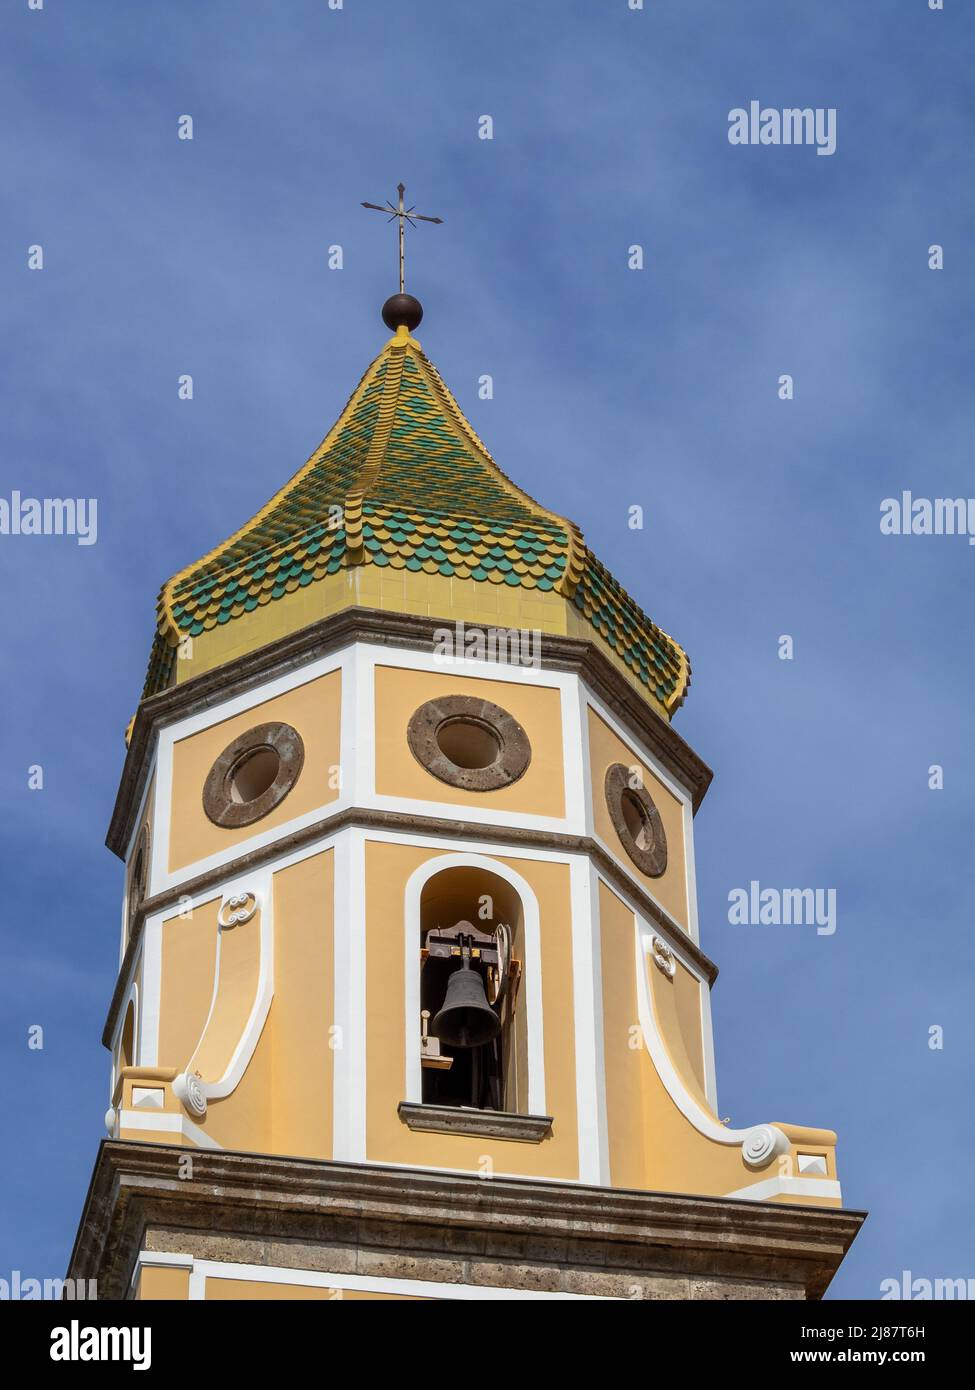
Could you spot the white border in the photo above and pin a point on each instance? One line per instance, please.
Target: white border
(349, 1082)
(787, 1187)
(587, 998)
(169, 1122)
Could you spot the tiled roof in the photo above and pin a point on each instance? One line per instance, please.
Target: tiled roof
(403, 481)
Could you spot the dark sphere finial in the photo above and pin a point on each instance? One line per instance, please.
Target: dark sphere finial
(402, 309)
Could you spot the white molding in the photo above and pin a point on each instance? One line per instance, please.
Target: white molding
(787, 1187)
(365, 1283)
(707, 1042)
(364, 735)
(157, 1259)
(588, 1009)
(690, 874)
(160, 1258)
(413, 1079)
(349, 956)
(575, 758)
(583, 700)
(259, 884)
(167, 1123)
(349, 731)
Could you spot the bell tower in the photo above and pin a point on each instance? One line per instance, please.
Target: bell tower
(411, 999)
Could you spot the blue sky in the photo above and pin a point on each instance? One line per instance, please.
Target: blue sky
(612, 388)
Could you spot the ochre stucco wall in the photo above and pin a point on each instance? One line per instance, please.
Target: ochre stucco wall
(164, 1285)
(252, 1289)
(314, 710)
(540, 791)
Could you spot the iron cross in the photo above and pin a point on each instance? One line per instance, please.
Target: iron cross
(403, 215)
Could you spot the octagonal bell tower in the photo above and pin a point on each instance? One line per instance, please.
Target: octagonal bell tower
(411, 998)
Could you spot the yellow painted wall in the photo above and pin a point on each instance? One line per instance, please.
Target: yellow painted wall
(605, 749)
(677, 1006)
(303, 1008)
(541, 791)
(161, 1283)
(189, 946)
(388, 868)
(248, 1289)
(242, 1120)
(314, 710)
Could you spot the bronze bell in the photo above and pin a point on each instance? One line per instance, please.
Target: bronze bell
(466, 1019)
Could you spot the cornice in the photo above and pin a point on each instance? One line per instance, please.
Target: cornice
(137, 1185)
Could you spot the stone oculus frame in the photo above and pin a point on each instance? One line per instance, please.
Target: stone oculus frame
(219, 801)
(465, 712)
(648, 848)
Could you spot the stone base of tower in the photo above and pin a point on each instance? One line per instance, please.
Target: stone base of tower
(164, 1222)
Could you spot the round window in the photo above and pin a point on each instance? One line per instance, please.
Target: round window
(253, 775)
(469, 743)
(637, 821)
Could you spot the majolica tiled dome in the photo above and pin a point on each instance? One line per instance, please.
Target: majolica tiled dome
(402, 482)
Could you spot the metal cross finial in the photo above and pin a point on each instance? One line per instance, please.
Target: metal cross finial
(404, 215)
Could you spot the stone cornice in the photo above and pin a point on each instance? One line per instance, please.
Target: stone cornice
(138, 1185)
(377, 626)
(406, 824)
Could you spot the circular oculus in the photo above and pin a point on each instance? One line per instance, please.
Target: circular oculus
(253, 774)
(469, 743)
(637, 821)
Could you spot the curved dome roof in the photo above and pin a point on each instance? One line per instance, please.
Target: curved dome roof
(402, 488)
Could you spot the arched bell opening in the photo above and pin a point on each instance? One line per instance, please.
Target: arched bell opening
(473, 1016)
